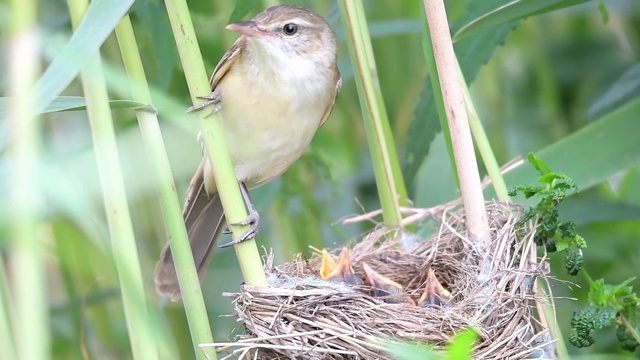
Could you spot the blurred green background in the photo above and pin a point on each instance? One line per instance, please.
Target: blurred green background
(538, 81)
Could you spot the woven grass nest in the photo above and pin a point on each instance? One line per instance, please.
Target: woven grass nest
(302, 316)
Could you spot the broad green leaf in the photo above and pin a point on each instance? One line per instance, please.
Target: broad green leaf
(461, 346)
(625, 89)
(100, 20)
(579, 209)
(381, 29)
(516, 10)
(161, 58)
(610, 145)
(411, 352)
(75, 103)
(472, 52)
(242, 8)
(4, 14)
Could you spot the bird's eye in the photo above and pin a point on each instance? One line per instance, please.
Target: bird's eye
(290, 29)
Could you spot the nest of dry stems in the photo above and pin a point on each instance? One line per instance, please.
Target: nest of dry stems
(304, 317)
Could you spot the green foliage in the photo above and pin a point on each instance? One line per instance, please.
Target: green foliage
(515, 10)
(242, 8)
(609, 304)
(627, 341)
(552, 233)
(460, 348)
(589, 319)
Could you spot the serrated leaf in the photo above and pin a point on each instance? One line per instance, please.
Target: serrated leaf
(549, 178)
(604, 317)
(561, 246)
(620, 289)
(516, 10)
(596, 293)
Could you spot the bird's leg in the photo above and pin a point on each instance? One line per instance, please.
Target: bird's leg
(253, 220)
(212, 99)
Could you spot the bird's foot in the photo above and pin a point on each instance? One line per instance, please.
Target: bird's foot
(212, 99)
(252, 221)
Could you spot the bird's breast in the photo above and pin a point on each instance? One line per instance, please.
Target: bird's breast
(269, 120)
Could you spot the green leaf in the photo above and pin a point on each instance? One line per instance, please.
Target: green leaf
(242, 8)
(162, 56)
(516, 10)
(393, 28)
(411, 352)
(604, 12)
(461, 346)
(625, 89)
(604, 317)
(549, 178)
(98, 23)
(472, 53)
(75, 103)
(619, 290)
(617, 129)
(596, 293)
(561, 246)
(539, 164)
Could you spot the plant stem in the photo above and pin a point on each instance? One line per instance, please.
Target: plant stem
(446, 63)
(215, 143)
(157, 154)
(391, 188)
(482, 142)
(30, 333)
(7, 308)
(123, 241)
(427, 47)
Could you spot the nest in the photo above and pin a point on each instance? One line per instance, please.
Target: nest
(302, 316)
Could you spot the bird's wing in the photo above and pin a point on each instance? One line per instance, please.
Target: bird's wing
(227, 60)
(327, 112)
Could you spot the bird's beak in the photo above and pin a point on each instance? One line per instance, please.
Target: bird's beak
(434, 293)
(340, 271)
(382, 287)
(249, 28)
(328, 265)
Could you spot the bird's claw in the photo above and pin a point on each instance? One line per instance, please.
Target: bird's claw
(212, 99)
(252, 221)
